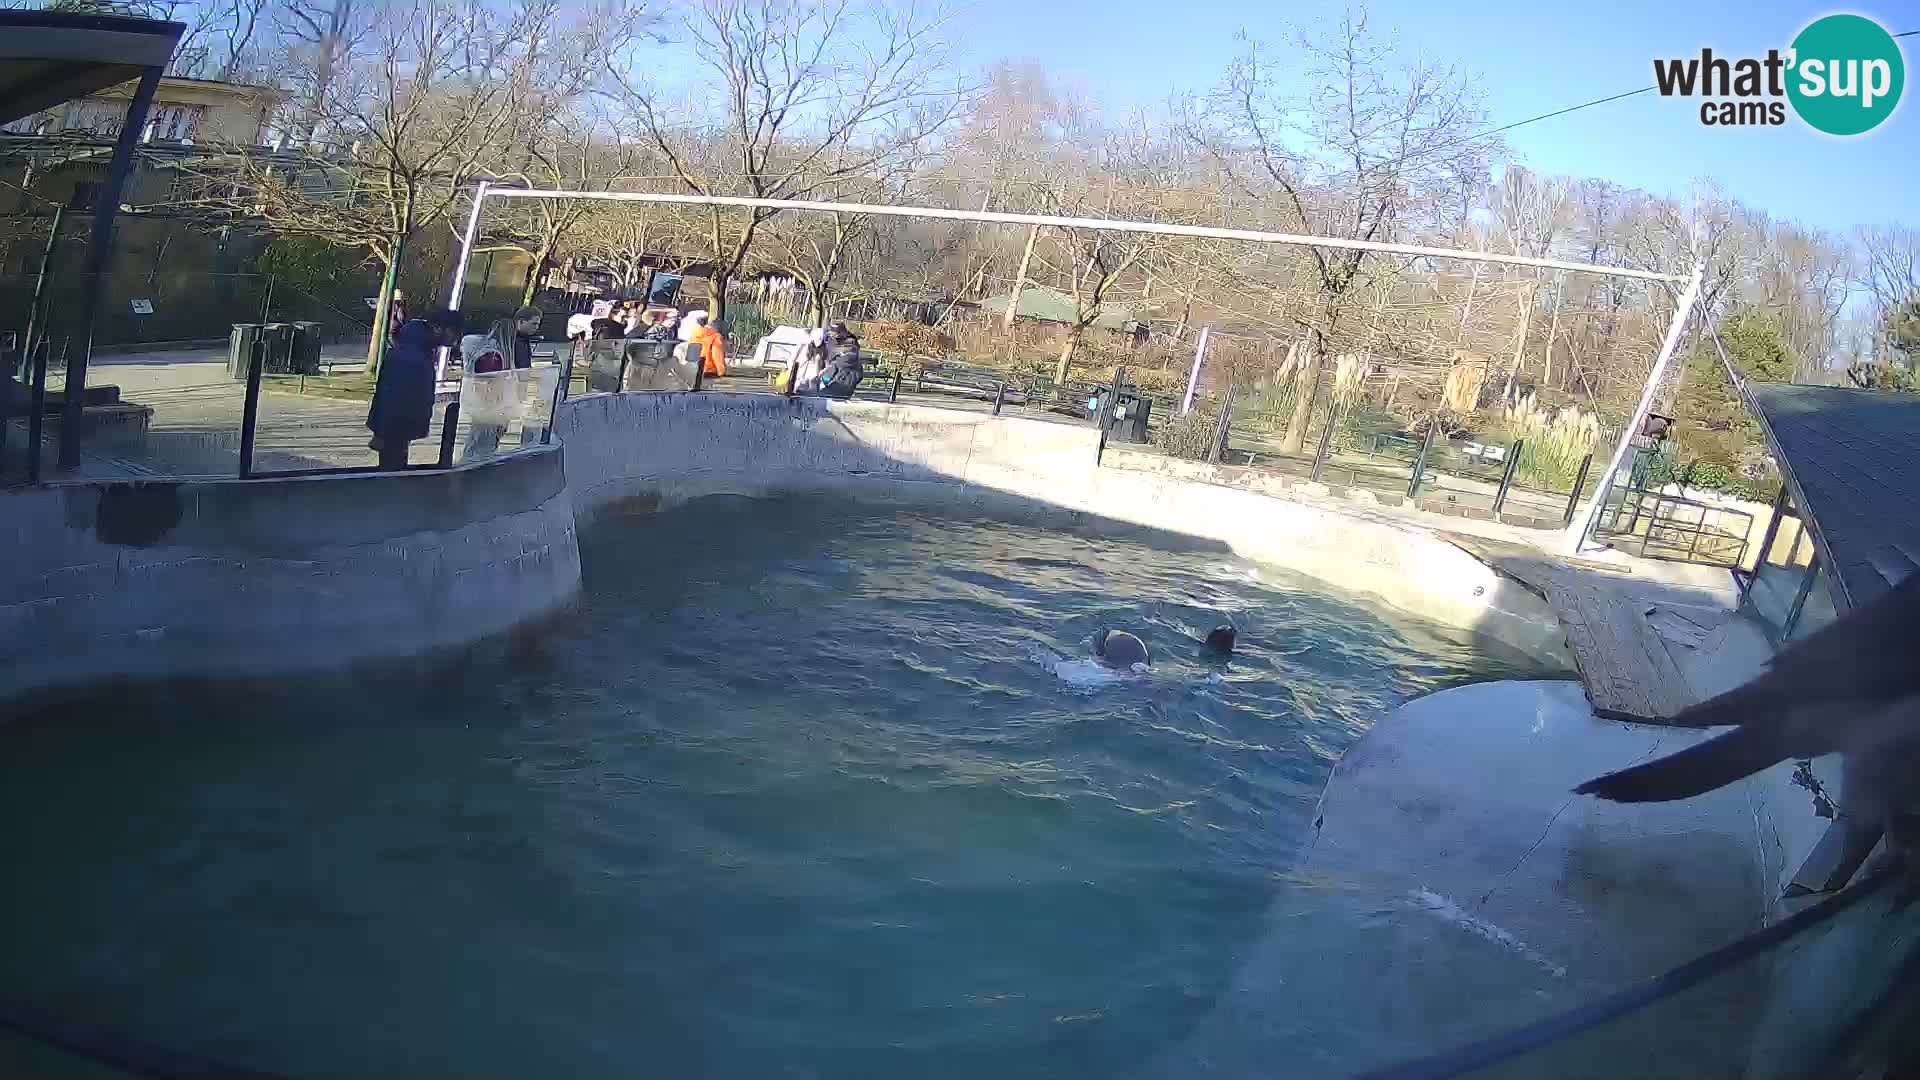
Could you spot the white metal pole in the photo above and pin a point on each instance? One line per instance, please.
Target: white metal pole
(1578, 538)
(1053, 221)
(458, 287)
(1193, 377)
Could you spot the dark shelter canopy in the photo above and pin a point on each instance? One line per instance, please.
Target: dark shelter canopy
(49, 57)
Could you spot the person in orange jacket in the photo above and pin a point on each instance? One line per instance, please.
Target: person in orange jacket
(713, 347)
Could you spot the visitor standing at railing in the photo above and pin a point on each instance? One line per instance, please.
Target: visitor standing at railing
(526, 323)
(844, 368)
(713, 348)
(402, 408)
(487, 355)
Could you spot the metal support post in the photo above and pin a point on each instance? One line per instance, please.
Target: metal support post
(1506, 478)
(1222, 428)
(1105, 417)
(999, 397)
(250, 411)
(1579, 483)
(1326, 440)
(106, 208)
(1766, 542)
(449, 424)
(37, 419)
(1420, 460)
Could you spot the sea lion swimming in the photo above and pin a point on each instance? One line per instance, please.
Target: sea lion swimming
(1220, 640)
(1119, 649)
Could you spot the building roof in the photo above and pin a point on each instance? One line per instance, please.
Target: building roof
(1851, 459)
(50, 57)
(1052, 305)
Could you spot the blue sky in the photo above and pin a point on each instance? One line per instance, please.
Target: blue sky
(1530, 59)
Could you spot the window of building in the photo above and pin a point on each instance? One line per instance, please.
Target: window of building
(94, 116)
(174, 123)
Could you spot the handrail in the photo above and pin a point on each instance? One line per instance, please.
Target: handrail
(1510, 1044)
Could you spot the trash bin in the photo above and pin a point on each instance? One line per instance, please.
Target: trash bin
(1129, 423)
(277, 339)
(240, 346)
(605, 366)
(306, 348)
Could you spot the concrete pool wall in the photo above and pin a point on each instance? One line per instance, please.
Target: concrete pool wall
(240, 578)
(268, 576)
(664, 448)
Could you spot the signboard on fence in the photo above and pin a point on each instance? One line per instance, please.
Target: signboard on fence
(143, 306)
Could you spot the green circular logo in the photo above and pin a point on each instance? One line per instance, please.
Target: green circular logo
(1846, 74)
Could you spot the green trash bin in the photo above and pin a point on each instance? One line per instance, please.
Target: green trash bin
(306, 348)
(240, 346)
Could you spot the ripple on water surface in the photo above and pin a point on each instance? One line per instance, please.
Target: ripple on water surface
(799, 790)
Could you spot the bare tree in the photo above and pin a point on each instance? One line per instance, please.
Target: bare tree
(1374, 150)
(399, 133)
(224, 40)
(812, 94)
(1890, 274)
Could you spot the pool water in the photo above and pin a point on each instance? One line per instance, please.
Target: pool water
(801, 789)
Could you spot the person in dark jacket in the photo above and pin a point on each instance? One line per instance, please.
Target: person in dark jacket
(841, 374)
(526, 326)
(402, 408)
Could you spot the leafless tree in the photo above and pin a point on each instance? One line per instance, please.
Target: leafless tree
(1374, 150)
(811, 94)
(399, 133)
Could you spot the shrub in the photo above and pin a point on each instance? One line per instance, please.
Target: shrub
(1555, 441)
(1188, 436)
(746, 325)
(912, 345)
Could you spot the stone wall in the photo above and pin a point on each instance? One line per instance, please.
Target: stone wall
(663, 448)
(238, 578)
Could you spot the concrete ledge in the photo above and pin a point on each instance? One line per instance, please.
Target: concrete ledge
(1490, 895)
(668, 447)
(270, 576)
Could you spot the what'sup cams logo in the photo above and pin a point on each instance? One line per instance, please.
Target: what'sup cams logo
(1842, 75)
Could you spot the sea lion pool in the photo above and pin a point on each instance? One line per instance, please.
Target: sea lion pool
(800, 788)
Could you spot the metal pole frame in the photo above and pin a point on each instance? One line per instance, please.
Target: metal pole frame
(457, 288)
(485, 190)
(106, 208)
(1682, 312)
(1193, 377)
(1110, 224)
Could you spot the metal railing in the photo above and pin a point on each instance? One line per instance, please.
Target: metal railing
(1675, 528)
